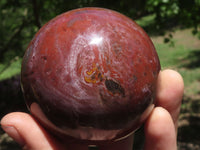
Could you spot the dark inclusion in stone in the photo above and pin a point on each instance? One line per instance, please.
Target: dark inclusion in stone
(114, 87)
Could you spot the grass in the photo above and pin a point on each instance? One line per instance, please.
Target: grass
(146, 20)
(10, 69)
(184, 57)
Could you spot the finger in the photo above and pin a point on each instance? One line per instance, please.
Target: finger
(170, 89)
(27, 132)
(159, 129)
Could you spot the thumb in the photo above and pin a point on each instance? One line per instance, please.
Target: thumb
(27, 132)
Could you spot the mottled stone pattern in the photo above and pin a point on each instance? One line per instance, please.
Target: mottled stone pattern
(90, 67)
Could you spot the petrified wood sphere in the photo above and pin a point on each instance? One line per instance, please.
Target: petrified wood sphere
(90, 74)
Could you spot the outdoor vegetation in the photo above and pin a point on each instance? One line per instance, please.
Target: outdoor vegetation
(173, 25)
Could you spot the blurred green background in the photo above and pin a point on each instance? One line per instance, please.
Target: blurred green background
(173, 25)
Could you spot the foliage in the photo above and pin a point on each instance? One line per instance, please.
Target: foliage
(163, 8)
(189, 15)
(185, 13)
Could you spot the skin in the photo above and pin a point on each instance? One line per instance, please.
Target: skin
(160, 127)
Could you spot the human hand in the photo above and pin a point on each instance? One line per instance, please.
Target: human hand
(160, 127)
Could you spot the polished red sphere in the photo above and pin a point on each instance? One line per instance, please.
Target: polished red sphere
(90, 74)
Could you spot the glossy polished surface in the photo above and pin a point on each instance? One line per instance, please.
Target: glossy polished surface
(90, 73)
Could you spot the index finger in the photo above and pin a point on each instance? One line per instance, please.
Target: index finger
(170, 88)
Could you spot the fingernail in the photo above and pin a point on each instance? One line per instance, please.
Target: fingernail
(14, 134)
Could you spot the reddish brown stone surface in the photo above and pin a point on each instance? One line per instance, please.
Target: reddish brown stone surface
(93, 68)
